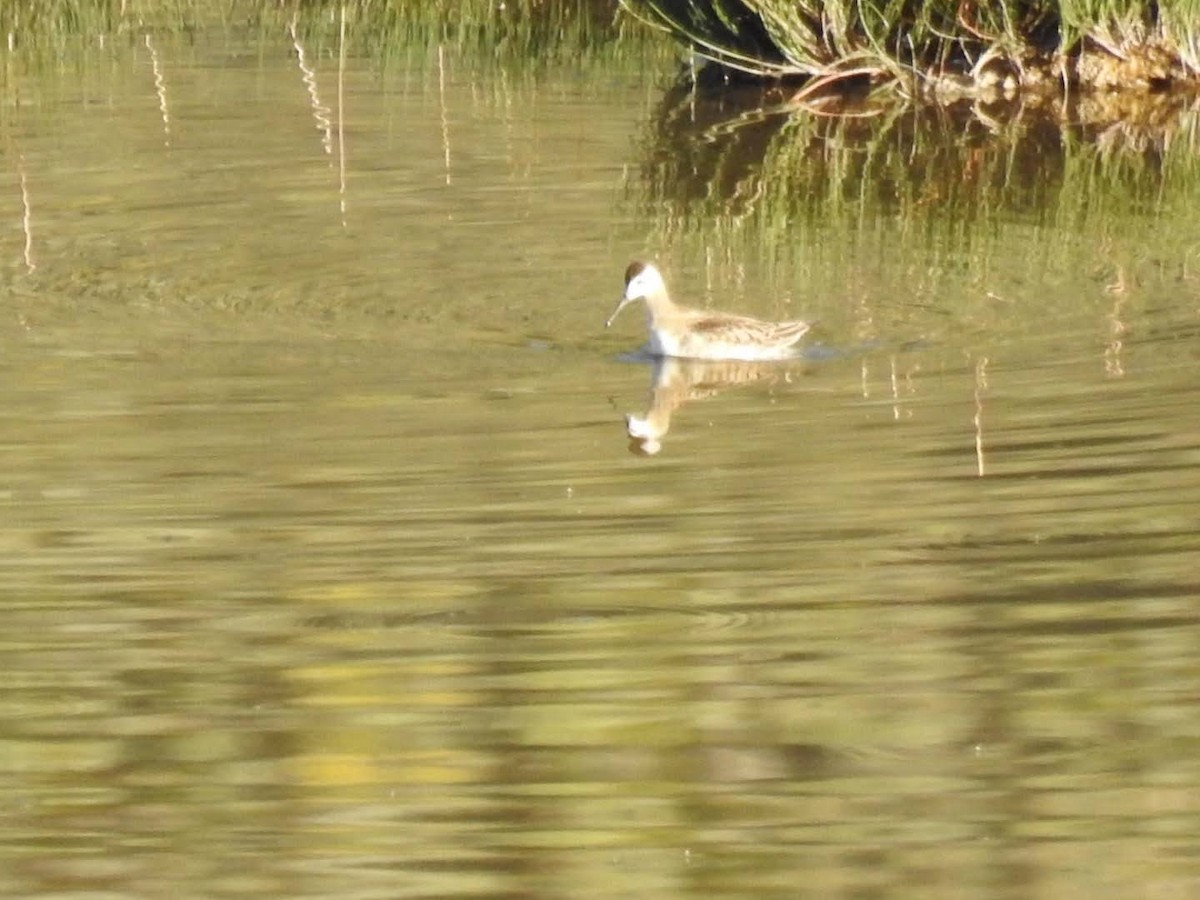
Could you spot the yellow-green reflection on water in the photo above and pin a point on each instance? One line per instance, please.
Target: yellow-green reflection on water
(325, 569)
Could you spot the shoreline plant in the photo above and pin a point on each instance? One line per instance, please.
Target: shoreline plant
(946, 49)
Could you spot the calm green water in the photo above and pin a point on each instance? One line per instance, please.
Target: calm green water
(326, 569)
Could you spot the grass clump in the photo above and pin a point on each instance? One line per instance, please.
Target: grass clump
(943, 46)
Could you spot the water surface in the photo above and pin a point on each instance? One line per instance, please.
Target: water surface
(326, 568)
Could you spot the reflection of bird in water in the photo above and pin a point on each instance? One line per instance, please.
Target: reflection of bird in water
(677, 381)
(697, 334)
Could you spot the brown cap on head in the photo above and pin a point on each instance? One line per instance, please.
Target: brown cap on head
(635, 269)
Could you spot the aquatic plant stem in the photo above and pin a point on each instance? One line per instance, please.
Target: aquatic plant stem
(341, 92)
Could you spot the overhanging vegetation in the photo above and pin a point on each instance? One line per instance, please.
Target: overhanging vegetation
(954, 46)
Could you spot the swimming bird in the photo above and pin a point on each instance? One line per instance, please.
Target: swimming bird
(699, 334)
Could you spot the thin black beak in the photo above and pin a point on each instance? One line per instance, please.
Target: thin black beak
(625, 301)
